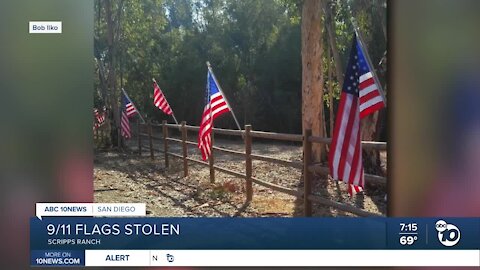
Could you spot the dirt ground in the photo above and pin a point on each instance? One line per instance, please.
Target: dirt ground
(128, 177)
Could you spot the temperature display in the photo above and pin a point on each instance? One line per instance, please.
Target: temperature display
(408, 240)
(408, 234)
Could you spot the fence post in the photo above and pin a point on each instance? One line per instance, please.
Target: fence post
(152, 156)
(211, 160)
(307, 176)
(184, 149)
(248, 162)
(139, 130)
(165, 142)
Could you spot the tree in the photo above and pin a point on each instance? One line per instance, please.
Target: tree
(110, 39)
(312, 75)
(254, 46)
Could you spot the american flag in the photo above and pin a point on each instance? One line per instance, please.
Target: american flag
(130, 108)
(99, 118)
(215, 105)
(360, 97)
(160, 101)
(127, 110)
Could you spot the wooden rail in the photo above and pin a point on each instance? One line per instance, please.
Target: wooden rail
(191, 143)
(228, 171)
(174, 155)
(171, 125)
(192, 128)
(197, 161)
(174, 140)
(287, 163)
(277, 136)
(341, 206)
(227, 131)
(324, 171)
(365, 144)
(308, 167)
(279, 188)
(229, 151)
(157, 138)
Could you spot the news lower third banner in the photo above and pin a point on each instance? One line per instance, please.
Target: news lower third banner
(142, 241)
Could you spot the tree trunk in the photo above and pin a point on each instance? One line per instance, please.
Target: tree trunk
(329, 21)
(103, 83)
(330, 93)
(111, 73)
(312, 76)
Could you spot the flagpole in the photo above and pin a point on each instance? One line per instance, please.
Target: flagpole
(173, 115)
(139, 114)
(364, 49)
(226, 101)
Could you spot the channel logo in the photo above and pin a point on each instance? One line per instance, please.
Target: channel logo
(448, 234)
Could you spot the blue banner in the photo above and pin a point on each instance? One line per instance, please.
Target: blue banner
(70, 234)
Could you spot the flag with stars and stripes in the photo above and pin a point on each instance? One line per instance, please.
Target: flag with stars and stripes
(215, 105)
(128, 110)
(360, 97)
(99, 118)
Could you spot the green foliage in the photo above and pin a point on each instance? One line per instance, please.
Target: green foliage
(254, 47)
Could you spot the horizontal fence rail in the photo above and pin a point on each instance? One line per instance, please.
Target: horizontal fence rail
(157, 138)
(229, 151)
(341, 206)
(309, 168)
(227, 131)
(365, 144)
(288, 163)
(324, 171)
(277, 136)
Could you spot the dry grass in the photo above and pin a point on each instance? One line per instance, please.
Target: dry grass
(121, 177)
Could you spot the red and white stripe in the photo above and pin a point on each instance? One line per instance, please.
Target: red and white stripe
(160, 101)
(216, 107)
(370, 97)
(125, 126)
(346, 151)
(99, 118)
(131, 109)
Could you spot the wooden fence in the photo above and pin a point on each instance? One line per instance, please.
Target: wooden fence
(308, 167)
(101, 136)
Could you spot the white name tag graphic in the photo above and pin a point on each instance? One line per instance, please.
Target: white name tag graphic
(90, 209)
(45, 27)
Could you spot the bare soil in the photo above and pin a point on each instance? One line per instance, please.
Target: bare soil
(128, 177)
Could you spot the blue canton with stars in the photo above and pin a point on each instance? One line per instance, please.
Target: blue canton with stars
(357, 66)
(125, 101)
(212, 87)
